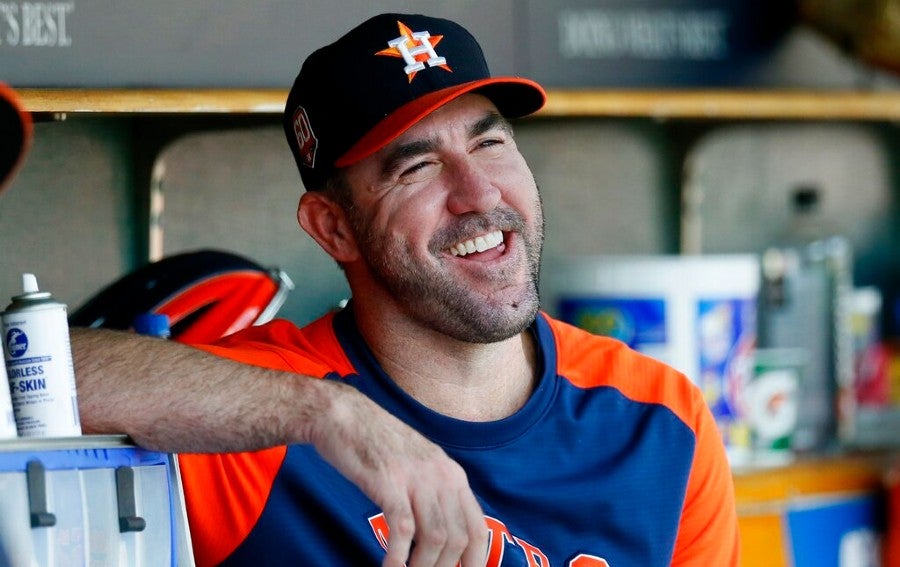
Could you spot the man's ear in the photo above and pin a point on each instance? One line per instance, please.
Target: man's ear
(327, 223)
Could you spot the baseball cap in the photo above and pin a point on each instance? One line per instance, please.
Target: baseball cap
(15, 133)
(354, 96)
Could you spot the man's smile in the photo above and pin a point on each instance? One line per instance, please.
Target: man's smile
(478, 244)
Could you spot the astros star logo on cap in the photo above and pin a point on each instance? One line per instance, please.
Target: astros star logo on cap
(416, 49)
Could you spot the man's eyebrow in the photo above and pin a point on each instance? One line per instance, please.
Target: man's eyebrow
(488, 122)
(403, 152)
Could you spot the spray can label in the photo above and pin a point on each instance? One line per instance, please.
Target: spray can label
(7, 417)
(40, 371)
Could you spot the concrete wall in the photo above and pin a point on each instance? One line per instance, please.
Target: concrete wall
(68, 216)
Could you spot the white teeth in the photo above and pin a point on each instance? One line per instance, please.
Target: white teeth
(478, 244)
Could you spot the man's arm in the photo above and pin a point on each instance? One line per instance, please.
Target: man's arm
(170, 397)
(708, 533)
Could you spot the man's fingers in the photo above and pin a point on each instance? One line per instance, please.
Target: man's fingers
(475, 553)
(449, 528)
(455, 544)
(438, 531)
(443, 527)
(432, 516)
(402, 526)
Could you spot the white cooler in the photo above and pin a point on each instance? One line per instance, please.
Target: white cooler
(90, 500)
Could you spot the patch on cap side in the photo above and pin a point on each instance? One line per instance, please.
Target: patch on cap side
(307, 143)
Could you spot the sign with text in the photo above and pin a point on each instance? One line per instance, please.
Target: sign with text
(650, 42)
(202, 43)
(228, 43)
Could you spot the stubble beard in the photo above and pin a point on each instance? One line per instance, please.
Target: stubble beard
(431, 295)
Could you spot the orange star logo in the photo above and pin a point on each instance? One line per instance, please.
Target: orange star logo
(417, 49)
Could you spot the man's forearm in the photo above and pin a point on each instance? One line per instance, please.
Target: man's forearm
(172, 397)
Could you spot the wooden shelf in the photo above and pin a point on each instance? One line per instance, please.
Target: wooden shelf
(764, 498)
(717, 105)
(150, 101)
(656, 104)
(769, 489)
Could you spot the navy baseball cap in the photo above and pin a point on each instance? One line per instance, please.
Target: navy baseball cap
(356, 95)
(15, 134)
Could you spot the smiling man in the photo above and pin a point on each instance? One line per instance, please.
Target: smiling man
(452, 421)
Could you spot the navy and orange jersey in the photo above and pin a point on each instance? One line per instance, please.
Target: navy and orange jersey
(614, 461)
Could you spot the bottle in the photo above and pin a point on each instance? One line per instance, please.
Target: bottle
(39, 364)
(804, 303)
(153, 325)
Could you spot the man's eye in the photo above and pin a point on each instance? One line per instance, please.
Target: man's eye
(415, 168)
(491, 142)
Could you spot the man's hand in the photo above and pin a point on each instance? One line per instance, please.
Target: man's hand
(170, 397)
(431, 512)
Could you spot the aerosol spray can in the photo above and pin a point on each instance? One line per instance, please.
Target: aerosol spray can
(39, 364)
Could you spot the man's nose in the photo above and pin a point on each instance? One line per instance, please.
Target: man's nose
(472, 189)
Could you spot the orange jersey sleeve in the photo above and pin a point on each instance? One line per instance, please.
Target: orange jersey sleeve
(708, 531)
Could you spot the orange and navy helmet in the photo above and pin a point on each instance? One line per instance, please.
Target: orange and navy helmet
(206, 295)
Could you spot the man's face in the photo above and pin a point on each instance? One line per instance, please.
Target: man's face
(449, 223)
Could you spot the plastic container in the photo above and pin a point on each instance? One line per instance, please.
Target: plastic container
(91, 500)
(805, 303)
(771, 403)
(696, 313)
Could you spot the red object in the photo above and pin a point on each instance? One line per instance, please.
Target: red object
(872, 380)
(218, 306)
(15, 134)
(892, 534)
(206, 294)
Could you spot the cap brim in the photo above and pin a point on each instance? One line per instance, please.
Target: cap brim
(514, 97)
(15, 134)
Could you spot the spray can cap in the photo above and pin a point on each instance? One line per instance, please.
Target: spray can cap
(29, 283)
(30, 291)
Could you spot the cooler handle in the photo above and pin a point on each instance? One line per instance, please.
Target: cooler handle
(37, 496)
(129, 521)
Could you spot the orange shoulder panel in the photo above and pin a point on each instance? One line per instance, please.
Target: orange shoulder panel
(225, 493)
(313, 350)
(589, 360)
(708, 534)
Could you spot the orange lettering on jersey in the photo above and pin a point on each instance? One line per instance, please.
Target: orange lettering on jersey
(381, 529)
(535, 556)
(498, 536)
(584, 560)
(498, 533)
